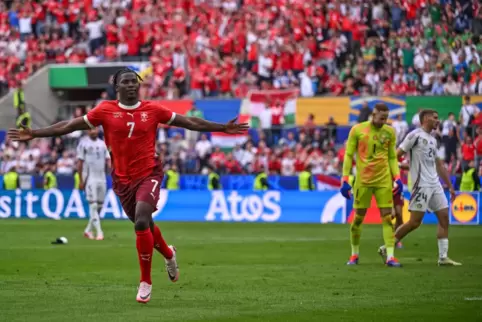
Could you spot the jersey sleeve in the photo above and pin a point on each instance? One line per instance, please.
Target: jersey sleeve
(96, 116)
(351, 146)
(409, 142)
(80, 152)
(106, 151)
(164, 115)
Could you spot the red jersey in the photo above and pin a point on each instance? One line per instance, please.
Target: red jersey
(130, 135)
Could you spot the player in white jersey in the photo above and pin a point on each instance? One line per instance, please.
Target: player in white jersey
(94, 160)
(427, 192)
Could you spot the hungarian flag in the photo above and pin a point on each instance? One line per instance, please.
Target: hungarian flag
(324, 182)
(228, 141)
(256, 102)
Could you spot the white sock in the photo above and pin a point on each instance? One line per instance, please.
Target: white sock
(443, 247)
(88, 229)
(94, 216)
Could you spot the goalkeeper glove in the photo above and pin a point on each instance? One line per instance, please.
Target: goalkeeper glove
(398, 186)
(345, 188)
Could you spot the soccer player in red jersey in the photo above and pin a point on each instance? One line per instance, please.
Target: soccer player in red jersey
(130, 128)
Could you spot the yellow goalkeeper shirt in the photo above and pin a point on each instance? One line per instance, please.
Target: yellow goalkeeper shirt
(376, 157)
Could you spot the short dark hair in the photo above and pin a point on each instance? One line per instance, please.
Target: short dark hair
(426, 112)
(117, 75)
(381, 107)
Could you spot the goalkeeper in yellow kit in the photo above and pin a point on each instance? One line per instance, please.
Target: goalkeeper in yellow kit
(373, 142)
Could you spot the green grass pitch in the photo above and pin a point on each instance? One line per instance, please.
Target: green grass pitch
(235, 272)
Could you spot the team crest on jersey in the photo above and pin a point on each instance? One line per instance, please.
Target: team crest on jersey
(424, 142)
(144, 116)
(117, 115)
(384, 138)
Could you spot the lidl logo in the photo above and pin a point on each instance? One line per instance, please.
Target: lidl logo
(464, 208)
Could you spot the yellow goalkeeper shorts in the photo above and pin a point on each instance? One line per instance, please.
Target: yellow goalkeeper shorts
(363, 197)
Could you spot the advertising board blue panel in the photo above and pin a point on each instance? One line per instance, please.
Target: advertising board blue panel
(228, 205)
(243, 206)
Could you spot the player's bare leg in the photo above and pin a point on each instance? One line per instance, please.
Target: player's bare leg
(387, 251)
(98, 228)
(145, 246)
(443, 238)
(169, 252)
(355, 234)
(413, 223)
(398, 214)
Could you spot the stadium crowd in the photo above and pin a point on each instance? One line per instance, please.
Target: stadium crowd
(312, 145)
(226, 47)
(288, 156)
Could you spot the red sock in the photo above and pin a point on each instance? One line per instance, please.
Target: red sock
(160, 244)
(145, 246)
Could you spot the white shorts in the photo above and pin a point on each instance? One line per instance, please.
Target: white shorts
(428, 199)
(95, 191)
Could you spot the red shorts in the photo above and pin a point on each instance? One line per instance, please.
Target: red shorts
(146, 189)
(398, 200)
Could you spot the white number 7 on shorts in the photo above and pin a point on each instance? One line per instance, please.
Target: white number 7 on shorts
(156, 183)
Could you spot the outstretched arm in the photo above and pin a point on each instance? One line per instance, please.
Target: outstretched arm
(58, 129)
(200, 125)
(62, 128)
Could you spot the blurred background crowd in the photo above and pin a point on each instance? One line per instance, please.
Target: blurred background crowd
(460, 138)
(224, 48)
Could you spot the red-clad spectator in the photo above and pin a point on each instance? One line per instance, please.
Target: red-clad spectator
(111, 31)
(468, 151)
(110, 52)
(297, 60)
(334, 86)
(274, 165)
(300, 163)
(218, 158)
(76, 57)
(226, 82)
(277, 114)
(259, 164)
(232, 166)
